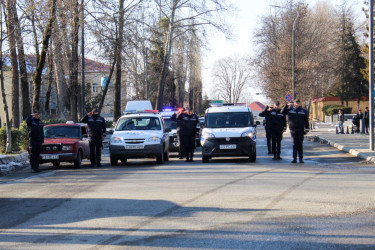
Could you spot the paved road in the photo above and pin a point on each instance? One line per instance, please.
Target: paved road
(328, 202)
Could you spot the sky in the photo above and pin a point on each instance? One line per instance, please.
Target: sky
(244, 24)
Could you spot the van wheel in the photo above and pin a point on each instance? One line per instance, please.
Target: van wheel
(205, 159)
(124, 160)
(56, 164)
(160, 158)
(78, 161)
(166, 156)
(114, 161)
(253, 157)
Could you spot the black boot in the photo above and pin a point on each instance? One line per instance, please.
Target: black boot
(274, 157)
(301, 160)
(294, 160)
(278, 157)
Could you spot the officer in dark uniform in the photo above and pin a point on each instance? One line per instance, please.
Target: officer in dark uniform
(180, 135)
(97, 133)
(267, 128)
(36, 139)
(189, 129)
(298, 125)
(277, 123)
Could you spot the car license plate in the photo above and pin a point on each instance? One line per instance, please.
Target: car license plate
(50, 157)
(228, 146)
(134, 146)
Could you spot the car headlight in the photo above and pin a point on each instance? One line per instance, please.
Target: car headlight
(67, 147)
(154, 139)
(116, 140)
(208, 135)
(247, 134)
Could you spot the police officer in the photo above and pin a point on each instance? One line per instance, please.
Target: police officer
(277, 123)
(180, 135)
(97, 133)
(189, 128)
(36, 139)
(298, 125)
(267, 128)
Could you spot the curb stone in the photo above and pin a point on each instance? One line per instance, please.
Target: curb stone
(349, 150)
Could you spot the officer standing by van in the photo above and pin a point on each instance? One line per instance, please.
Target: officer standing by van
(36, 139)
(277, 123)
(189, 128)
(180, 135)
(267, 127)
(298, 125)
(97, 133)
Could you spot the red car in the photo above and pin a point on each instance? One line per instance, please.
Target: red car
(65, 143)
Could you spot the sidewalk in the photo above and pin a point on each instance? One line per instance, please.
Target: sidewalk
(355, 144)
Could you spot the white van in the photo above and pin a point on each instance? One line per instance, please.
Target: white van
(138, 105)
(228, 131)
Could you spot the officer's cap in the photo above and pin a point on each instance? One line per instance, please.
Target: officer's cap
(189, 108)
(297, 101)
(35, 112)
(277, 103)
(95, 110)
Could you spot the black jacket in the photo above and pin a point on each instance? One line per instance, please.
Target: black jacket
(179, 123)
(97, 127)
(35, 126)
(341, 117)
(298, 119)
(188, 124)
(265, 114)
(366, 115)
(276, 119)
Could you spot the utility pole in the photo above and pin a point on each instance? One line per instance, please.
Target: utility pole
(371, 74)
(294, 56)
(146, 73)
(83, 59)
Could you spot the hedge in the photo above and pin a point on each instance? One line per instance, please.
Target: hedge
(334, 109)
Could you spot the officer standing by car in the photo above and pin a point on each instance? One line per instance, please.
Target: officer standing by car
(267, 128)
(180, 131)
(36, 139)
(277, 123)
(189, 128)
(97, 132)
(298, 125)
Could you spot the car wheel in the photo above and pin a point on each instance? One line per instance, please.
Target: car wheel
(56, 164)
(114, 161)
(160, 158)
(205, 159)
(124, 160)
(78, 161)
(253, 157)
(166, 156)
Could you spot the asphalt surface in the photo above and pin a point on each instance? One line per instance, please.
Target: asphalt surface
(328, 202)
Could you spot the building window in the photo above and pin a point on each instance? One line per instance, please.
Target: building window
(95, 87)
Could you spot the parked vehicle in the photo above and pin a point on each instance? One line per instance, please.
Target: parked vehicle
(140, 134)
(138, 105)
(65, 143)
(229, 131)
(173, 141)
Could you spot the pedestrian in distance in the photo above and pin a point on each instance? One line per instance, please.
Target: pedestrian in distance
(189, 129)
(36, 139)
(277, 123)
(356, 120)
(341, 121)
(97, 132)
(267, 127)
(298, 121)
(180, 135)
(366, 117)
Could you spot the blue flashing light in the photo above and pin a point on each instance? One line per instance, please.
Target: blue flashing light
(167, 109)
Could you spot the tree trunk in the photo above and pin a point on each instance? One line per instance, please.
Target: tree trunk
(106, 86)
(167, 55)
(14, 63)
(49, 85)
(8, 148)
(74, 64)
(117, 87)
(26, 107)
(38, 73)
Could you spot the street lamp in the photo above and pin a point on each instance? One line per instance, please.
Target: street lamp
(371, 74)
(293, 50)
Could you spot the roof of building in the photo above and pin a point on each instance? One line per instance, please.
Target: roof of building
(334, 99)
(257, 106)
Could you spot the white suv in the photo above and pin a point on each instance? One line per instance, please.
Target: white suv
(139, 135)
(229, 131)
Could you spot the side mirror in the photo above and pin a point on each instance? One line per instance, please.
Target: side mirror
(110, 131)
(167, 130)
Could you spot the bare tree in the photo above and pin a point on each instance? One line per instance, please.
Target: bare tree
(231, 75)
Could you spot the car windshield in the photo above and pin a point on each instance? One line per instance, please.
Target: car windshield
(62, 132)
(170, 124)
(138, 123)
(228, 120)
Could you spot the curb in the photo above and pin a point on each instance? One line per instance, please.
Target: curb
(349, 150)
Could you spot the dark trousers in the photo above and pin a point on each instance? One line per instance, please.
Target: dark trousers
(277, 136)
(189, 145)
(297, 136)
(35, 149)
(95, 150)
(181, 148)
(269, 140)
(366, 125)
